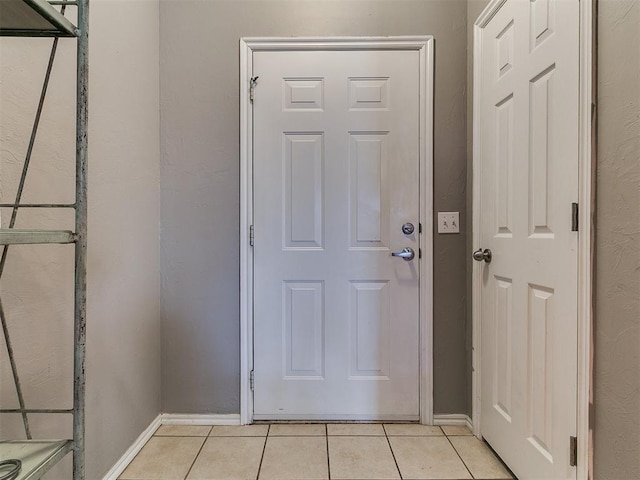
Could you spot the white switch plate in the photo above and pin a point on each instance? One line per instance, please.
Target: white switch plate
(448, 222)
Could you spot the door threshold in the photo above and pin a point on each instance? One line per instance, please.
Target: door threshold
(337, 418)
(331, 422)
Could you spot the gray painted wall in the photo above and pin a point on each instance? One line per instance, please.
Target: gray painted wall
(617, 280)
(617, 310)
(123, 368)
(123, 331)
(199, 60)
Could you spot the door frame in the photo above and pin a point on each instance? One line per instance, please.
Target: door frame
(586, 199)
(424, 45)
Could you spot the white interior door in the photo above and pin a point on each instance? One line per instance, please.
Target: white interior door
(528, 132)
(336, 175)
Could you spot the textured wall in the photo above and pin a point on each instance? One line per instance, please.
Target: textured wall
(200, 180)
(123, 344)
(617, 347)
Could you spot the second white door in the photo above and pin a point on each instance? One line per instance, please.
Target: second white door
(528, 181)
(336, 176)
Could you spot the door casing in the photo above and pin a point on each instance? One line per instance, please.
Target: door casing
(424, 46)
(586, 199)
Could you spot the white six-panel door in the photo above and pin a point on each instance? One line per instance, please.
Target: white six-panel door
(336, 175)
(528, 132)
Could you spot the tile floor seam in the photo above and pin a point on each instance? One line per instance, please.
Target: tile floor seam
(326, 431)
(196, 458)
(392, 452)
(459, 456)
(264, 447)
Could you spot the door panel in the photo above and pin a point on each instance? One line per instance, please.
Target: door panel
(336, 175)
(528, 131)
(303, 191)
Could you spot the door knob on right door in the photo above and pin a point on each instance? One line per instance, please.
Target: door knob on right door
(480, 255)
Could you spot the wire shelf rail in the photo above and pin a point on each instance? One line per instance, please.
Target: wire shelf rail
(39, 18)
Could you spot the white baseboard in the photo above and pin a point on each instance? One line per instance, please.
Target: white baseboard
(133, 450)
(453, 419)
(189, 419)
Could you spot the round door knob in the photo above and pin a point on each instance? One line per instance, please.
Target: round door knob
(482, 255)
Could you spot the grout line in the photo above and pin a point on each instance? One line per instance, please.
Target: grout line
(326, 431)
(264, 447)
(392, 453)
(459, 456)
(196, 457)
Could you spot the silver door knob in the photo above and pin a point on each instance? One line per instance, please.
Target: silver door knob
(480, 255)
(407, 253)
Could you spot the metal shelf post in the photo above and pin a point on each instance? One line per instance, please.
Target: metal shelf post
(38, 18)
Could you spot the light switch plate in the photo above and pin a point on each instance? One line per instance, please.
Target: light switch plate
(448, 222)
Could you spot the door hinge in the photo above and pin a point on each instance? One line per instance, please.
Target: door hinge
(574, 217)
(420, 228)
(251, 380)
(252, 86)
(251, 235)
(573, 451)
(419, 253)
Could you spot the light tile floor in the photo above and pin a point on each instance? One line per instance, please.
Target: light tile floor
(315, 451)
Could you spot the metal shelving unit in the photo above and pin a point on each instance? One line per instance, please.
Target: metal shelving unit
(40, 18)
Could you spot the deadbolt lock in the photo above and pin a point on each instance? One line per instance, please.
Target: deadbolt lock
(408, 228)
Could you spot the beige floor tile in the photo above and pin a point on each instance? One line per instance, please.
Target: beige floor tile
(361, 458)
(456, 430)
(224, 458)
(355, 429)
(411, 429)
(479, 459)
(427, 458)
(164, 458)
(183, 431)
(240, 431)
(300, 429)
(295, 458)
